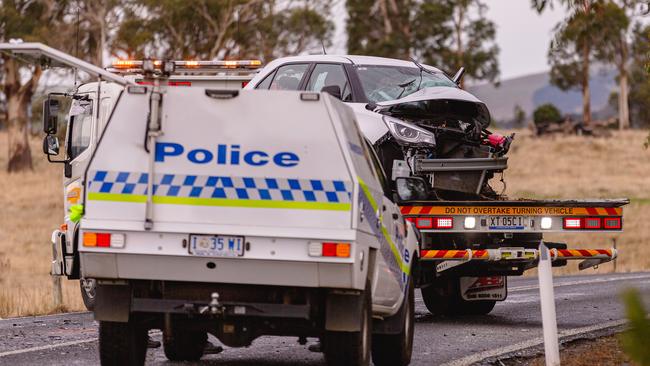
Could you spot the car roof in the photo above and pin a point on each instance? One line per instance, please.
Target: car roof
(348, 59)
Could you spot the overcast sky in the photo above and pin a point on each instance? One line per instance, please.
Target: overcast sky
(523, 35)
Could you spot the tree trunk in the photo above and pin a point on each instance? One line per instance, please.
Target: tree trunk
(623, 92)
(18, 99)
(586, 95)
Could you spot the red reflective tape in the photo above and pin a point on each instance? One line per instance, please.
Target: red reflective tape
(480, 253)
(425, 210)
(585, 253)
(592, 211)
(603, 251)
(460, 254)
(440, 253)
(611, 211)
(405, 210)
(564, 252)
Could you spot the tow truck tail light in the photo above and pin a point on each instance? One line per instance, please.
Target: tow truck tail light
(592, 223)
(444, 222)
(103, 240)
(329, 249)
(424, 223)
(573, 223)
(612, 223)
(434, 222)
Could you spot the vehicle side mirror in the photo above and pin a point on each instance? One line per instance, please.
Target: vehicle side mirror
(51, 145)
(50, 113)
(333, 90)
(411, 188)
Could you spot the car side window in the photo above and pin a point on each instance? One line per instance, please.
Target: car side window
(288, 77)
(80, 128)
(266, 83)
(330, 75)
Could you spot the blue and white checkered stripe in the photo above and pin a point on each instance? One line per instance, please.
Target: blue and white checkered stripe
(198, 186)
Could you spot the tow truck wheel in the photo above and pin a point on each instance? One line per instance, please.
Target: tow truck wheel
(396, 349)
(184, 345)
(88, 291)
(351, 348)
(443, 298)
(122, 343)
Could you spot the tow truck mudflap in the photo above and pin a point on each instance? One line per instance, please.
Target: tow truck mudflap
(453, 258)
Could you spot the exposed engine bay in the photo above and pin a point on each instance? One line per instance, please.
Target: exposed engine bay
(444, 141)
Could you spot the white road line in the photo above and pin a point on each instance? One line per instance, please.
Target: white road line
(45, 348)
(478, 357)
(581, 282)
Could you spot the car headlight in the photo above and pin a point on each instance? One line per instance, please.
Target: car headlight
(409, 134)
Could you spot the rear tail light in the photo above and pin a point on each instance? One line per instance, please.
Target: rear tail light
(329, 249)
(612, 223)
(103, 240)
(434, 222)
(244, 83)
(572, 223)
(592, 223)
(443, 222)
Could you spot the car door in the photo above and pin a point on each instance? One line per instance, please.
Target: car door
(327, 75)
(285, 77)
(389, 287)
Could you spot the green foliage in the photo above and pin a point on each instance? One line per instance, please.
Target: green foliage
(380, 28)
(546, 113)
(208, 29)
(445, 33)
(635, 338)
(639, 97)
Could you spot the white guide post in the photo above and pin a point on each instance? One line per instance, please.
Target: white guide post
(547, 300)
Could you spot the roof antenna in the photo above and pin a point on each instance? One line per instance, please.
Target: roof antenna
(322, 44)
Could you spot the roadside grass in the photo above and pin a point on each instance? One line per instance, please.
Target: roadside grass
(31, 206)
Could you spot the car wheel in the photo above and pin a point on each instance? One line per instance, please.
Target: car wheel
(351, 348)
(396, 349)
(122, 344)
(88, 292)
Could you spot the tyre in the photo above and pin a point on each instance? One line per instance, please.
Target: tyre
(88, 292)
(351, 348)
(396, 349)
(444, 298)
(184, 345)
(122, 344)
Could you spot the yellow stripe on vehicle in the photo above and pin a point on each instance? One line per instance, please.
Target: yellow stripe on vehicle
(220, 202)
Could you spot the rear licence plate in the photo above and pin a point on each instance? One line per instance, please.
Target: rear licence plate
(216, 245)
(507, 222)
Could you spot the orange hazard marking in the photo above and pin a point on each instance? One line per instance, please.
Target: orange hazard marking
(568, 253)
(524, 211)
(444, 254)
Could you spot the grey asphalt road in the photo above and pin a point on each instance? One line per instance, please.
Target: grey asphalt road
(584, 303)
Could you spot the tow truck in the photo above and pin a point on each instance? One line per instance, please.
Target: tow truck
(199, 210)
(432, 137)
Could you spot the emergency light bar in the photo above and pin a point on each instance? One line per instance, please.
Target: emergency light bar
(187, 66)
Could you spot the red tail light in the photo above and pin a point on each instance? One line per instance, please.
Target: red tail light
(424, 223)
(244, 83)
(434, 222)
(572, 223)
(592, 223)
(444, 222)
(612, 222)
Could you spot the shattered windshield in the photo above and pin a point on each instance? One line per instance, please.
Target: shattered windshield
(383, 83)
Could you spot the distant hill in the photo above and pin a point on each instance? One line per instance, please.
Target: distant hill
(533, 90)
